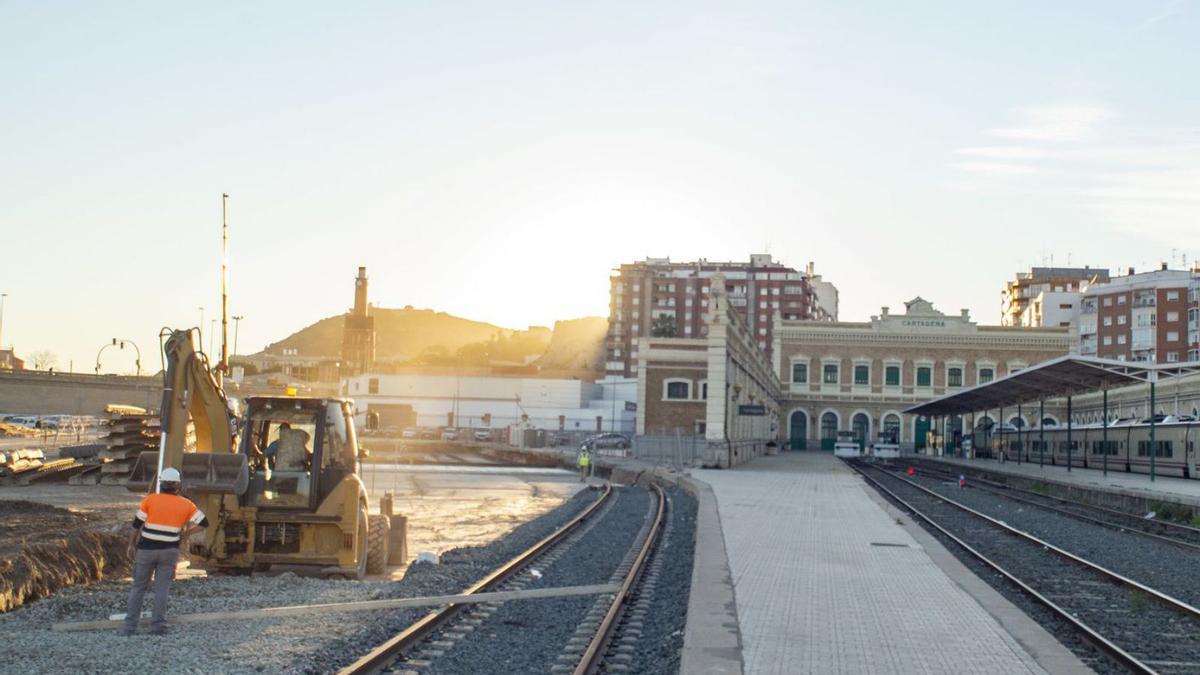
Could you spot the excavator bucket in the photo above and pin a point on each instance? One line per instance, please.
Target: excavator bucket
(202, 472)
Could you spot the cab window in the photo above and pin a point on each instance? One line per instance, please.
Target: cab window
(281, 447)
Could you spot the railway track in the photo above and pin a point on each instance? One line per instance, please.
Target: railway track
(428, 645)
(1176, 534)
(1140, 629)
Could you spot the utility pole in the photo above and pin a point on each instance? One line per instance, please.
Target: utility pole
(201, 324)
(223, 367)
(2, 297)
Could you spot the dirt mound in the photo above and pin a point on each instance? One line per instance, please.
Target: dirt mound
(43, 549)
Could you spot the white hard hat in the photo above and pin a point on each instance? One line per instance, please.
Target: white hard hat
(169, 475)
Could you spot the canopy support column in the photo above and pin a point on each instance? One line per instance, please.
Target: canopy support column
(1042, 433)
(1104, 443)
(1020, 426)
(1069, 446)
(1000, 430)
(1153, 445)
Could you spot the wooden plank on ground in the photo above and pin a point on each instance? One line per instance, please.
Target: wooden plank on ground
(362, 606)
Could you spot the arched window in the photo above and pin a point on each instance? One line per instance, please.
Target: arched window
(891, 427)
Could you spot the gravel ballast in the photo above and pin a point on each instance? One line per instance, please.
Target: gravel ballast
(527, 636)
(307, 644)
(657, 648)
(1129, 618)
(1158, 564)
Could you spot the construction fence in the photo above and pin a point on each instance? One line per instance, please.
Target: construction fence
(675, 450)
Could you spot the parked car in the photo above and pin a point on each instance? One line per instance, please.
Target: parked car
(483, 434)
(606, 441)
(29, 422)
(449, 434)
(410, 432)
(429, 434)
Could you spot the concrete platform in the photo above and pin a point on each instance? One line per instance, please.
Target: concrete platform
(829, 579)
(1164, 488)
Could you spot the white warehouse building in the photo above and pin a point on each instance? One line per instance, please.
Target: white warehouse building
(494, 401)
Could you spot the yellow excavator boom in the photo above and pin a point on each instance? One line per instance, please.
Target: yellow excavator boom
(191, 394)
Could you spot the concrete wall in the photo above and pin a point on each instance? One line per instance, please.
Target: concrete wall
(45, 393)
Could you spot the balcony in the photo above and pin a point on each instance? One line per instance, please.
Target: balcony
(1145, 302)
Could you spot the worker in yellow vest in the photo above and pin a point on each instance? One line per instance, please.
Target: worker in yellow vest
(584, 461)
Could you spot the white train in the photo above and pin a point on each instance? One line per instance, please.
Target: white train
(1128, 447)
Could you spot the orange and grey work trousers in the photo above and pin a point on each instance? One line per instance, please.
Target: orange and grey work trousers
(161, 563)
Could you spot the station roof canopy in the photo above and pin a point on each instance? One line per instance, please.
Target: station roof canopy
(1064, 376)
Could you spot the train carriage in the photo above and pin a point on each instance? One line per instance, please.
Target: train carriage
(1128, 448)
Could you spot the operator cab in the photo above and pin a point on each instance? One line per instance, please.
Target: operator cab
(298, 450)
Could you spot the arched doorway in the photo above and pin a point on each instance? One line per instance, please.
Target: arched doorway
(891, 428)
(798, 431)
(921, 427)
(981, 436)
(829, 428)
(861, 425)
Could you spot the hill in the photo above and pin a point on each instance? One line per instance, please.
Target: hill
(423, 338)
(400, 334)
(576, 347)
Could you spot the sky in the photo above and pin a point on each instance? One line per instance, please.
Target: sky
(497, 160)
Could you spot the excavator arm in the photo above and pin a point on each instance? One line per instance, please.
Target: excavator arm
(190, 394)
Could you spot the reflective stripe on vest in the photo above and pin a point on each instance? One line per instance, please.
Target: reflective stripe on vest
(165, 515)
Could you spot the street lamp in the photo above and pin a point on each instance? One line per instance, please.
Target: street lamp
(2, 297)
(237, 322)
(120, 344)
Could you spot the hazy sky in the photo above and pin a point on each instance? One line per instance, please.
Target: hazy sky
(496, 160)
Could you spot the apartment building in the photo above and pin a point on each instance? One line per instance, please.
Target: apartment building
(1150, 316)
(1050, 308)
(659, 298)
(1019, 293)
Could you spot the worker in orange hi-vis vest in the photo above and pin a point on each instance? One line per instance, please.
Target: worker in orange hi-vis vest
(163, 520)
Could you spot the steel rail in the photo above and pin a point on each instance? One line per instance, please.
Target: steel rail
(590, 662)
(1002, 490)
(383, 655)
(1164, 523)
(1168, 600)
(1109, 648)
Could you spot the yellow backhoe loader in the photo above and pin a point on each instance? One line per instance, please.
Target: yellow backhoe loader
(280, 483)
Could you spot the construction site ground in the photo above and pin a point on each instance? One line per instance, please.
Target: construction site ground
(53, 536)
(448, 508)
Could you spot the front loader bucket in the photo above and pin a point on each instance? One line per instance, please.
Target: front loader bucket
(202, 472)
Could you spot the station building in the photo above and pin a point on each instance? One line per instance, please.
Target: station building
(720, 389)
(859, 376)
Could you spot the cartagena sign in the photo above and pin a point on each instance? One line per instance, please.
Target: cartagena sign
(925, 323)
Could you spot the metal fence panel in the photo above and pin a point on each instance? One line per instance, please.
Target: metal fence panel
(675, 450)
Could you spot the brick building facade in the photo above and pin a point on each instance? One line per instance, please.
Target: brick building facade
(1151, 316)
(859, 376)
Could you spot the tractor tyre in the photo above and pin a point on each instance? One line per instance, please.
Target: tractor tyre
(378, 534)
